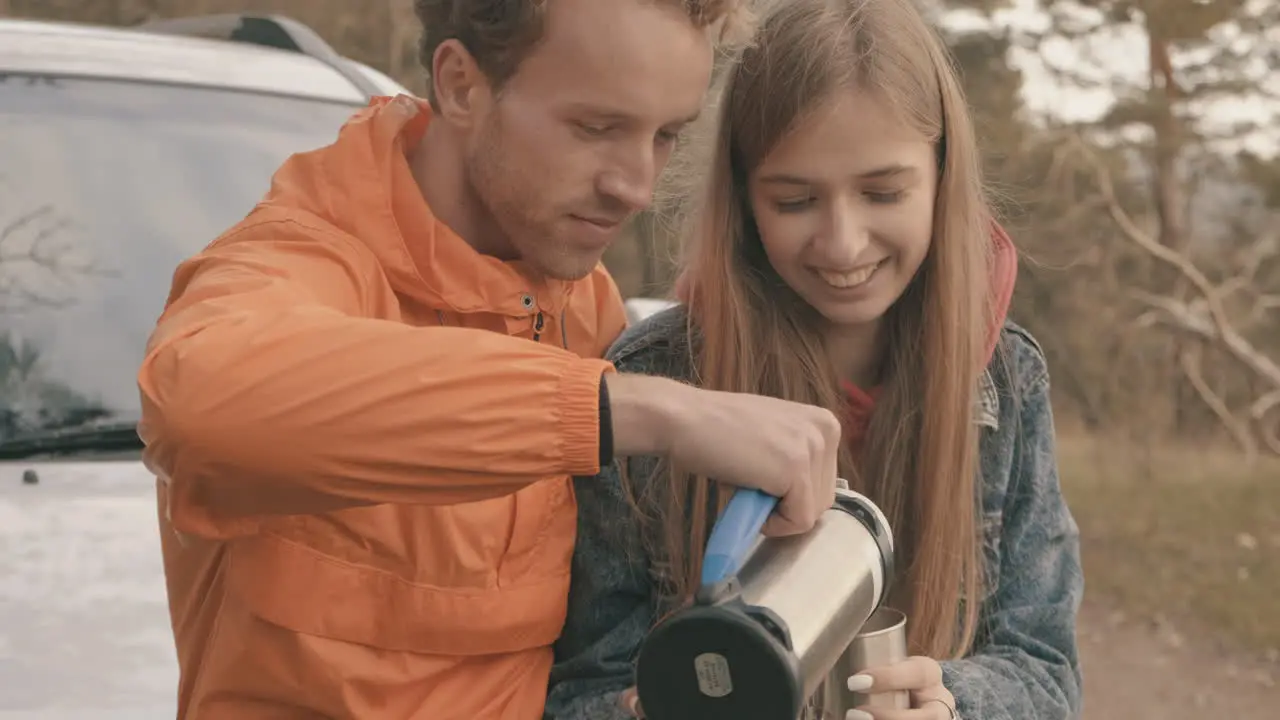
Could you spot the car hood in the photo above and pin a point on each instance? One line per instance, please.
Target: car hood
(86, 626)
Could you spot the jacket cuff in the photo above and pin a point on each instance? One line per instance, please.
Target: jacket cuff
(606, 426)
(581, 428)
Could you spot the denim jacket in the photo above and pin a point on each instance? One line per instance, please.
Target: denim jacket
(1023, 665)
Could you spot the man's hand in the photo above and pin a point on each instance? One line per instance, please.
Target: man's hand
(786, 449)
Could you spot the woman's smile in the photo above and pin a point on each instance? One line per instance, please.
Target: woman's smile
(850, 279)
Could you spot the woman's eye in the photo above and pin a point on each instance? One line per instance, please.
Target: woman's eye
(884, 198)
(794, 205)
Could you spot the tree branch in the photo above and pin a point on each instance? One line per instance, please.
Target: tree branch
(1204, 317)
(1260, 413)
(1217, 325)
(1192, 359)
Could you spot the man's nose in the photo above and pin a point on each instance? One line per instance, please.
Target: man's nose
(631, 180)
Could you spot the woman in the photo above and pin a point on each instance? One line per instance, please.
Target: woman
(844, 255)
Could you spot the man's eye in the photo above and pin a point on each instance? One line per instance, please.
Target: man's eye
(594, 130)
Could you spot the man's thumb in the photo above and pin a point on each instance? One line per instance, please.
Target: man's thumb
(779, 525)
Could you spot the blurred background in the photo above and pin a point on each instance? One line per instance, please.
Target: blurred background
(1132, 146)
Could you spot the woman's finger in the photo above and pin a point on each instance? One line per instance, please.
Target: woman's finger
(932, 710)
(943, 709)
(629, 699)
(937, 697)
(914, 673)
(937, 692)
(884, 713)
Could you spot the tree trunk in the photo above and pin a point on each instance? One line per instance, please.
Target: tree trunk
(1170, 200)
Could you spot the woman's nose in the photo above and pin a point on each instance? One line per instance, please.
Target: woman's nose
(846, 236)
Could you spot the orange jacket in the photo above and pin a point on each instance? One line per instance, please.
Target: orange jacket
(364, 447)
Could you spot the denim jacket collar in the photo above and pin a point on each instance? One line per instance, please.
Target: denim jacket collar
(986, 410)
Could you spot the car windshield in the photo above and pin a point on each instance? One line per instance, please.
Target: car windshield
(105, 186)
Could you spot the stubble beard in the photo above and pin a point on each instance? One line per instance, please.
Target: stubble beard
(508, 200)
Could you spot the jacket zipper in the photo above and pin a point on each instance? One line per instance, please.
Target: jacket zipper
(537, 326)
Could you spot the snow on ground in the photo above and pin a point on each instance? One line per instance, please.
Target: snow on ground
(84, 627)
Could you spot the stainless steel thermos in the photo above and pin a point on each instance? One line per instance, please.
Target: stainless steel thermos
(773, 616)
(881, 641)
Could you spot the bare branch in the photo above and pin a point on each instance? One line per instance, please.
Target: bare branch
(1193, 318)
(1268, 428)
(1187, 317)
(29, 243)
(1204, 317)
(1142, 238)
(1266, 303)
(1219, 325)
(1191, 359)
(28, 218)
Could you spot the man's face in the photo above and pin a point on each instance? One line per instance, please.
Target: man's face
(574, 142)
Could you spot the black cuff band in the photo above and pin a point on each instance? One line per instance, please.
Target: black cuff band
(606, 427)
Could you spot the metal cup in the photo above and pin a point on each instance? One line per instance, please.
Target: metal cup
(883, 641)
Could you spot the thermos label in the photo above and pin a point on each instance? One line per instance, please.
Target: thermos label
(713, 675)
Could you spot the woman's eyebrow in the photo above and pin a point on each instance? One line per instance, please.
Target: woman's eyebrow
(785, 179)
(888, 171)
(880, 173)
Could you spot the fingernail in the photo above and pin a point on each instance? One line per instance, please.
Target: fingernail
(857, 715)
(859, 683)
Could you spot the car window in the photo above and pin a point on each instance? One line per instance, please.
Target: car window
(105, 186)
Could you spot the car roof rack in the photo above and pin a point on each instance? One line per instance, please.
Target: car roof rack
(276, 31)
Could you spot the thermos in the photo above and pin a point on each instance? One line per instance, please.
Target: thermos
(773, 616)
(881, 641)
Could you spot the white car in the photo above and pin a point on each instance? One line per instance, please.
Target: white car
(122, 152)
(639, 308)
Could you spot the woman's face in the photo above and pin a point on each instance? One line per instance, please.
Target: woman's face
(844, 205)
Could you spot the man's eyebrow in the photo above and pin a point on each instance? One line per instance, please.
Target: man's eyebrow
(595, 110)
(604, 112)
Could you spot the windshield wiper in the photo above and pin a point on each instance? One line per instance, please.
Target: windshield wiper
(111, 433)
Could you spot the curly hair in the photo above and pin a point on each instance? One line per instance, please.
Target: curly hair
(501, 33)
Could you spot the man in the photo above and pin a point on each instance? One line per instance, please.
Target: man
(364, 402)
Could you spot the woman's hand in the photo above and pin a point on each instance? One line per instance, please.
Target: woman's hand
(919, 676)
(630, 702)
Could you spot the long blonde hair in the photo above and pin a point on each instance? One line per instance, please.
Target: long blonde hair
(752, 334)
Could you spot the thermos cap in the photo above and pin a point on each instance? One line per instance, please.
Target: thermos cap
(706, 663)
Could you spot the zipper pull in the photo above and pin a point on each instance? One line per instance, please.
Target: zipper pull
(538, 321)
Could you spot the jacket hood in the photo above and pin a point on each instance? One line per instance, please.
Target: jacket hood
(363, 185)
(1003, 276)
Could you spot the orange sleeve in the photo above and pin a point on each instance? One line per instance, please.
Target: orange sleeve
(265, 391)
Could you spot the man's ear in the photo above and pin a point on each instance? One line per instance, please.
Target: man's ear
(462, 91)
